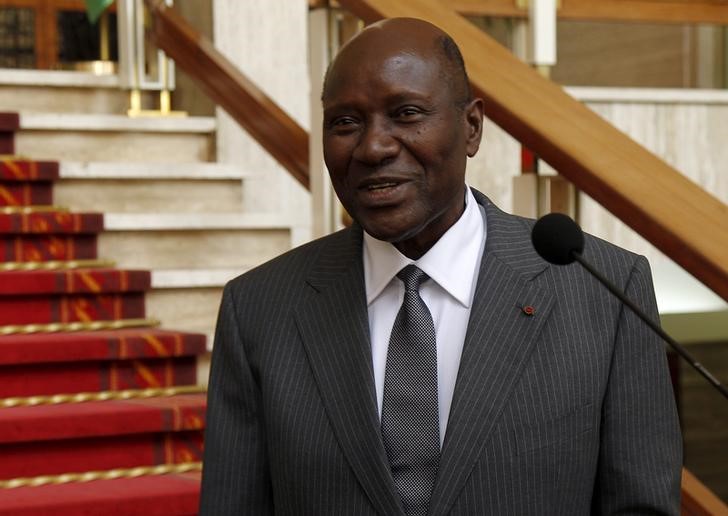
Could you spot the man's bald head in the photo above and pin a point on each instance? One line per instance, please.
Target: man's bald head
(408, 35)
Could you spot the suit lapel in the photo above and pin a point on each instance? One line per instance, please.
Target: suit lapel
(335, 332)
(499, 340)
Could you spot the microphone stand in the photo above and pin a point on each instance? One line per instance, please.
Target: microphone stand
(655, 327)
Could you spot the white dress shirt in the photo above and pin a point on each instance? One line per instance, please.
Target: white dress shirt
(452, 265)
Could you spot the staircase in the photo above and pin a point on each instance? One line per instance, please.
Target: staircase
(100, 410)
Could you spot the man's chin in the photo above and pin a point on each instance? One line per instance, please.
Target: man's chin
(393, 235)
(394, 225)
(383, 234)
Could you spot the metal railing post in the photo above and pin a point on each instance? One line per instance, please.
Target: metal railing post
(134, 63)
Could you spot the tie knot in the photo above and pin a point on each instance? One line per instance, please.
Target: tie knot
(412, 277)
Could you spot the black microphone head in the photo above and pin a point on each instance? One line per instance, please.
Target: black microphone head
(557, 238)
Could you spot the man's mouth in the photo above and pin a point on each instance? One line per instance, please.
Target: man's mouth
(382, 192)
(379, 186)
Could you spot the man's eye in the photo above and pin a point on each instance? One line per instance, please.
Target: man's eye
(408, 112)
(342, 122)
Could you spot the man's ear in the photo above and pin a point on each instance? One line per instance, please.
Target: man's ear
(474, 126)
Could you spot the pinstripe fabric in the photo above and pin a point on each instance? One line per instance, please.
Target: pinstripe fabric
(565, 411)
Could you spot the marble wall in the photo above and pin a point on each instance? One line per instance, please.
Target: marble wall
(268, 42)
(689, 130)
(498, 161)
(686, 128)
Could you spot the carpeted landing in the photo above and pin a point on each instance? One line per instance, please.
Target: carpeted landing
(99, 409)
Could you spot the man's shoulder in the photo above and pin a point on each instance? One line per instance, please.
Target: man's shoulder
(511, 240)
(513, 235)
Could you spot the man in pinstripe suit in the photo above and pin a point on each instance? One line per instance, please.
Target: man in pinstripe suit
(552, 398)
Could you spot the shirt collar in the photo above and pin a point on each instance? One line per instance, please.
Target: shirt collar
(451, 262)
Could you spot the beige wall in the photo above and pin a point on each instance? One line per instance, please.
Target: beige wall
(615, 54)
(687, 129)
(640, 55)
(630, 54)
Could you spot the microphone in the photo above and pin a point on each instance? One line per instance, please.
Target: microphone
(560, 240)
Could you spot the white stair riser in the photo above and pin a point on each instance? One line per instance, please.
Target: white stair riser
(152, 196)
(114, 146)
(66, 100)
(193, 249)
(186, 309)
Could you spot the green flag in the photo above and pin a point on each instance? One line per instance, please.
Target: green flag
(94, 8)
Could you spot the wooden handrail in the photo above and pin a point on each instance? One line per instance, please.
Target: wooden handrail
(642, 11)
(698, 500)
(676, 215)
(645, 11)
(271, 127)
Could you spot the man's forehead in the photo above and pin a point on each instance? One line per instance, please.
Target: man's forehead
(382, 46)
(383, 77)
(392, 36)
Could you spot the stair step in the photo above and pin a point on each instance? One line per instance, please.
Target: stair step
(25, 193)
(151, 195)
(59, 79)
(44, 91)
(129, 170)
(194, 278)
(49, 247)
(19, 169)
(106, 122)
(26, 183)
(185, 240)
(75, 281)
(9, 121)
(101, 137)
(51, 223)
(19, 310)
(189, 299)
(186, 221)
(162, 495)
(46, 379)
(183, 412)
(30, 459)
(132, 343)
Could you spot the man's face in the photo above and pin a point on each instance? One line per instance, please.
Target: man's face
(396, 144)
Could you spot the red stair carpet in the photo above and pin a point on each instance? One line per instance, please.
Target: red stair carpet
(99, 410)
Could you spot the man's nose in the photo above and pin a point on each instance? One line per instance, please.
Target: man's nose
(377, 144)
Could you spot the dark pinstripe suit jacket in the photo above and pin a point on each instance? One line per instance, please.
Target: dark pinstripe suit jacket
(565, 411)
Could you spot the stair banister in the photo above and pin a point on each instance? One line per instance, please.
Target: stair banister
(642, 11)
(255, 111)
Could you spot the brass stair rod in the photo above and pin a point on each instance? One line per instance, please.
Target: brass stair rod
(105, 55)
